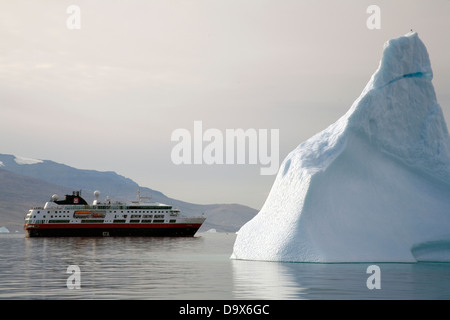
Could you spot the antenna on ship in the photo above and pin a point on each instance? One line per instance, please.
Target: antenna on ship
(142, 198)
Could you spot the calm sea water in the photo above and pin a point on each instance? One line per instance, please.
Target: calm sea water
(193, 268)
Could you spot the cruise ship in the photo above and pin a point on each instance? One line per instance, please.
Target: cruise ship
(73, 216)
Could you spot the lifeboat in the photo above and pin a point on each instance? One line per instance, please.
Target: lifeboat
(81, 214)
(97, 214)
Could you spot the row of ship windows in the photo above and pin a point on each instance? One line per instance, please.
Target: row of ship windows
(115, 216)
(148, 211)
(143, 216)
(64, 216)
(100, 221)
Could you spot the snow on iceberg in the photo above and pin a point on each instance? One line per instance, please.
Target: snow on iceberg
(372, 187)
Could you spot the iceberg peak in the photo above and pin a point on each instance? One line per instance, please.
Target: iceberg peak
(403, 57)
(398, 110)
(373, 186)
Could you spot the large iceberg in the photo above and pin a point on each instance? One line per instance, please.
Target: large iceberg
(372, 187)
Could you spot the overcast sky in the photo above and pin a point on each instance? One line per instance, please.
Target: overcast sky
(109, 95)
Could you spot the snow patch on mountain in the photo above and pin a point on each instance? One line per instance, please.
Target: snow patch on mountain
(23, 160)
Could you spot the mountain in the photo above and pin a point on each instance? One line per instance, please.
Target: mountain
(372, 187)
(25, 183)
(19, 193)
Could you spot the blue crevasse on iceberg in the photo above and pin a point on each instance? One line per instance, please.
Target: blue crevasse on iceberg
(372, 187)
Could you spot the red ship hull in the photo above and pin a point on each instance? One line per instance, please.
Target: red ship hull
(112, 230)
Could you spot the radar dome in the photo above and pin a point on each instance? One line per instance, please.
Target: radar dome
(54, 197)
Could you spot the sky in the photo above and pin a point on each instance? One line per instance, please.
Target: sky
(109, 95)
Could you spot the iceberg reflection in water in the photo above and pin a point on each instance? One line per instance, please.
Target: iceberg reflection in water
(313, 281)
(197, 268)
